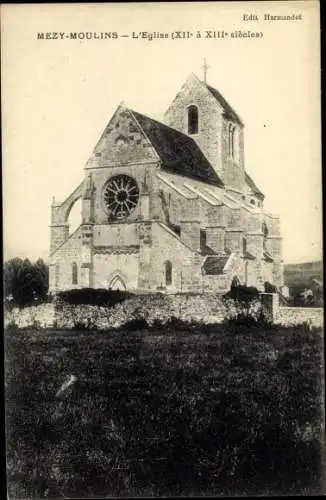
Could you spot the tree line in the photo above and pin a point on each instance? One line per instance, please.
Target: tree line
(25, 283)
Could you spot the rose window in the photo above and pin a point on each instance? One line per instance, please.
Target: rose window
(121, 196)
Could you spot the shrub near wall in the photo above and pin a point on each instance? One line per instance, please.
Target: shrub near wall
(91, 296)
(151, 308)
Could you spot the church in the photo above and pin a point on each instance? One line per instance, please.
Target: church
(168, 207)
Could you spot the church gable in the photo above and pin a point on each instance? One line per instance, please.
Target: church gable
(123, 142)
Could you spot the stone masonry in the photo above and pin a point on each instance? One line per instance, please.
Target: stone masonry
(168, 207)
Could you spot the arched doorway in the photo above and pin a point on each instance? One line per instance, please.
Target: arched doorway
(117, 283)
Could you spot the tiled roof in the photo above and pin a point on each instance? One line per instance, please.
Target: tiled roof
(204, 248)
(247, 255)
(178, 152)
(253, 186)
(228, 110)
(268, 257)
(215, 264)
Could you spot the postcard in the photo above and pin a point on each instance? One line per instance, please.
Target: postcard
(163, 270)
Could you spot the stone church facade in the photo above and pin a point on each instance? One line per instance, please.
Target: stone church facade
(168, 207)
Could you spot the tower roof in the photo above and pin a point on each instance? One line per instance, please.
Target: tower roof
(253, 186)
(228, 110)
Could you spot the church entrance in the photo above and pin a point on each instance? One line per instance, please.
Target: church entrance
(117, 283)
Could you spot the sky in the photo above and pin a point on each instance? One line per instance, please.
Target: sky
(59, 94)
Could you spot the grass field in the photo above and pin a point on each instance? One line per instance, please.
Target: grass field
(163, 413)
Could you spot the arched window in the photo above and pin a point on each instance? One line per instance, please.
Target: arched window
(252, 201)
(168, 272)
(74, 273)
(192, 120)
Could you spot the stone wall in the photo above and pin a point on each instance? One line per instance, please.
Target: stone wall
(206, 308)
(290, 316)
(43, 315)
(61, 262)
(153, 307)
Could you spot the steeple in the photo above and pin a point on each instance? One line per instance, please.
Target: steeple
(205, 68)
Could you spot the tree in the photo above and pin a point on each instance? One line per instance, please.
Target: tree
(26, 282)
(10, 274)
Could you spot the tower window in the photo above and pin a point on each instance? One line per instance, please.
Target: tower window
(192, 120)
(231, 140)
(168, 272)
(74, 273)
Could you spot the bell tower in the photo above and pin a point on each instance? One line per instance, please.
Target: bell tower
(203, 114)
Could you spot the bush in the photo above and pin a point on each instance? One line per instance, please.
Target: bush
(12, 327)
(242, 293)
(243, 322)
(244, 309)
(91, 296)
(135, 324)
(269, 288)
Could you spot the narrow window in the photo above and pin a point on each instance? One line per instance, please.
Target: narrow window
(57, 276)
(244, 246)
(231, 140)
(74, 273)
(168, 272)
(192, 120)
(246, 273)
(265, 233)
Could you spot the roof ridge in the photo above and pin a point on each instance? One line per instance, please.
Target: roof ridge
(178, 152)
(162, 124)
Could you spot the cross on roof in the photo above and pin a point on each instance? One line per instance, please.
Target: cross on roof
(205, 68)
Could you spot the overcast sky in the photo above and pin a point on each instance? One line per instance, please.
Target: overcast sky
(58, 95)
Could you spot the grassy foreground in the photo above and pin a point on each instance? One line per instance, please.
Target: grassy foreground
(163, 413)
